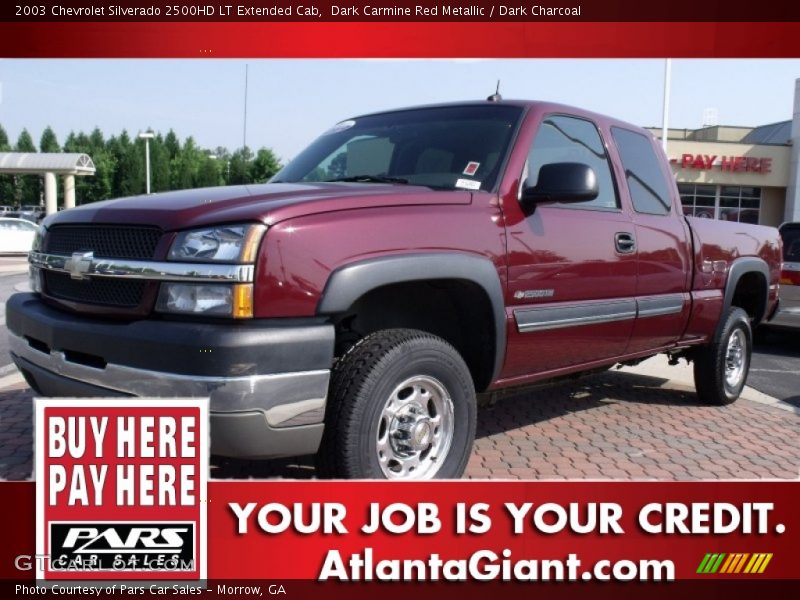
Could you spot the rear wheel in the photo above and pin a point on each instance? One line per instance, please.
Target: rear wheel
(721, 367)
(401, 406)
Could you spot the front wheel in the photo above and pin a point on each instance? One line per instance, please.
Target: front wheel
(401, 406)
(721, 367)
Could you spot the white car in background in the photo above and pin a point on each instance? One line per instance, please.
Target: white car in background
(16, 235)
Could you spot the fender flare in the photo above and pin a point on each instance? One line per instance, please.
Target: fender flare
(349, 282)
(740, 267)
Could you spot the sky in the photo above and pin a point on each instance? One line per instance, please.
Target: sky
(290, 102)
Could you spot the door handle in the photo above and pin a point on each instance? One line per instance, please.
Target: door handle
(625, 242)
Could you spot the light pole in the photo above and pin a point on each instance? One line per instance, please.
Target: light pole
(665, 115)
(147, 136)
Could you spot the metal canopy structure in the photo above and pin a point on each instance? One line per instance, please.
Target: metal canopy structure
(49, 164)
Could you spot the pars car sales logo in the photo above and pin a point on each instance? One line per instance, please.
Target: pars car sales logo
(121, 488)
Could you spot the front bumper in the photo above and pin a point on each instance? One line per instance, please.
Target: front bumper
(266, 382)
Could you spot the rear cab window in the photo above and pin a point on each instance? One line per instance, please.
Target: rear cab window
(649, 189)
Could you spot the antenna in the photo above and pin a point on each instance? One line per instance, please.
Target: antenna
(244, 126)
(496, 97)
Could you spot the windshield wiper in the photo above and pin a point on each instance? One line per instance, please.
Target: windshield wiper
(369, 179)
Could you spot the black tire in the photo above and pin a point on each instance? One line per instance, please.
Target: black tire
(711, 364)
(362, 384)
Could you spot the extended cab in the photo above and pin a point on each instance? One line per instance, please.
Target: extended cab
(404, 263)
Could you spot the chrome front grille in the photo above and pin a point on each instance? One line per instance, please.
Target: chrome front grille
(112, 242)
(123, 293)
(106, 241)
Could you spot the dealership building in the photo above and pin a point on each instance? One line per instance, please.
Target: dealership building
(747, 174)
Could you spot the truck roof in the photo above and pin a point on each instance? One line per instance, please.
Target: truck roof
(537, 105)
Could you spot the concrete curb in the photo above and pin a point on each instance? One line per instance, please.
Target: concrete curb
(681, 377)
(11, 380)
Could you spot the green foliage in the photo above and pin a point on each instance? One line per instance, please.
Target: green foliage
(27, 189)
(49, 142)
(239, 166)
(6, 181)
(264, 166)
(4, 145)
(338, 166)
(120, 163)
(25, 142)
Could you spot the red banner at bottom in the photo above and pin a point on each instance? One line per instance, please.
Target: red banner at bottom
(563, 534)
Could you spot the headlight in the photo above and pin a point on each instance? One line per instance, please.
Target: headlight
(220, 300)
(227, 243)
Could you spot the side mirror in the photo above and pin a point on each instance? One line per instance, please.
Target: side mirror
(561, 182)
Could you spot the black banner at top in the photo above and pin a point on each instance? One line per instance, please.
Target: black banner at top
(399, 11)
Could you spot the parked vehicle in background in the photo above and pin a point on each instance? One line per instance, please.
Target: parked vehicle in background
(4, 209)
(32, 212)
(16, 235)
(404, 263)
(788, 313)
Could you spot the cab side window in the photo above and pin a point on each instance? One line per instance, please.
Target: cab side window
(570, 139)
(648, 188)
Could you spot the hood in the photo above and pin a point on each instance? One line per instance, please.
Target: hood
(268, 203)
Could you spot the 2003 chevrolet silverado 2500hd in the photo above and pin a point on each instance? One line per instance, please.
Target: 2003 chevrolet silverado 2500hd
(405, 262)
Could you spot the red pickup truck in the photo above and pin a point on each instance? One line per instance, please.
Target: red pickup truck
(404, 264)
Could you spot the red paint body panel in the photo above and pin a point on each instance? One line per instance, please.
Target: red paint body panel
(299, 254)
(706, 309)
(265, 203)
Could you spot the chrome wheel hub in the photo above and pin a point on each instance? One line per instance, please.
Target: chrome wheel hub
(735, 360)
(415, 430)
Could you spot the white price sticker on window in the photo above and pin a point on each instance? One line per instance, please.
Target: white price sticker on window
(468, 184)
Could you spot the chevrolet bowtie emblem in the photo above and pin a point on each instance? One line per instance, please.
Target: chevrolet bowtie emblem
(78, 266)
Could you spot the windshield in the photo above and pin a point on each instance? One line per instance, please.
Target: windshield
(444, 148)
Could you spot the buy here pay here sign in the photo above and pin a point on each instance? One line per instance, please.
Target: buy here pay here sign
(121, 488)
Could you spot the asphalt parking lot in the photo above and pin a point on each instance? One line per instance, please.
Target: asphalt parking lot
(635, 423)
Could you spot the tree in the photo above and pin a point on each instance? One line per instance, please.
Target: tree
(338, 166)
(172, 145)
(185, 166)
(4, 145)
(49, 142)
(6, 181)
(120, 165)
(27, 188)
(223, 157)
(129, 177)
(159, 165)
(101, 185)
(96, 141)
(77, 143)
(264, 166)
(209, 173)
(25, 142)
(239, 166)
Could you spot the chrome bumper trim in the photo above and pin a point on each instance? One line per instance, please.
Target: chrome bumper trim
(286, 399)
(149, 270)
